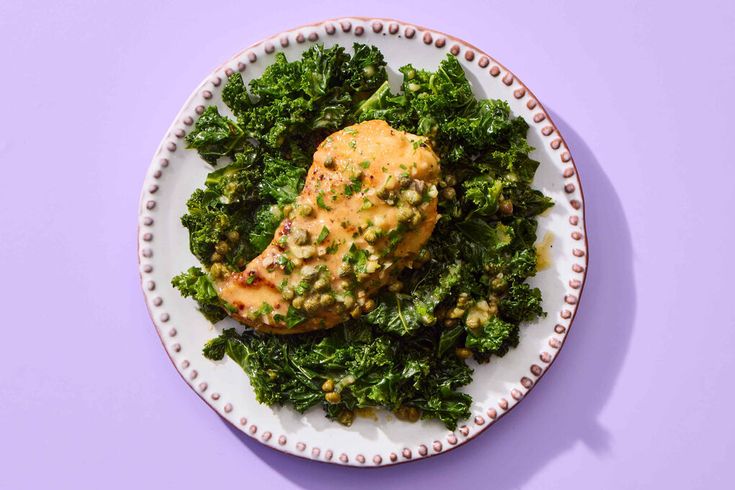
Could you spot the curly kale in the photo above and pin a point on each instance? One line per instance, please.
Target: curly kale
(215, 136)
(408, 354)
(196, 284)
(370, 369)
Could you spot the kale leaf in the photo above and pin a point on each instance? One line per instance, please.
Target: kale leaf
(495, 337)
(196, 284)
(215, 136)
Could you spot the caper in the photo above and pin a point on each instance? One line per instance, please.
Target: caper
(326, 300)
(372, 266)
(404, 180)
(369, 306)
(287, 209)
(328, 386)
(333, 397)
(218, 270)
(300, 236)
(216, 257)
(233, 235)
(321, 284)
(356, 312)
(305, 210)
(311, 304)
(345, 284)
(416, 218)
(412, 197)
(450, 179)
(298, 302)
(407, 413)
(345, 269)
(473, 322)
(346, 417)
(450, 322)
(287, 293)
(405, 214)
(309, 272)
(372, 235)
(463, 352)
(395, 286)
(428, 319)
(463, 299)
(424, 255)
(449, 193)
(402, 412)
(348, 301)
(432, 192)
(456, 313)
(413, 414)
(222, 247)
(506, 207)
(492, 309)
(329, 161)
(369, 71)
(499, 284)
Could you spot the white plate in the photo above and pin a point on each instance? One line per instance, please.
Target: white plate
(497, 387)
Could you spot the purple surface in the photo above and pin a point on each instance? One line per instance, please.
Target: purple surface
(641, 396)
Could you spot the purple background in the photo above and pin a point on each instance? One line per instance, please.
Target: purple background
(641, 396)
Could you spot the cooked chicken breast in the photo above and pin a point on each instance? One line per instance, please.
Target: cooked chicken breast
(367, 208)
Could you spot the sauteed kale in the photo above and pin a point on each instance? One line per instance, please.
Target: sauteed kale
(465, 298)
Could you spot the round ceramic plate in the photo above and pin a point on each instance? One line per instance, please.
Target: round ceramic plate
(497, 387)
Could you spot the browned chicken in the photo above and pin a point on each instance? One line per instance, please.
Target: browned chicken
(367, 208)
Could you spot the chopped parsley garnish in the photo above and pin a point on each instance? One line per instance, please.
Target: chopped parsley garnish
(320, 201)
(322, 235)
(285, 263)
(292, 319)
(366, 204)
(264, 309)
(331, 249)
(353, 187)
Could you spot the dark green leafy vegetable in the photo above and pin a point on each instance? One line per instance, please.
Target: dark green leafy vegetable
(215, 136)
(196, 284)
(282, 181)
(495, 337)
(402, 356)
(371, 371)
